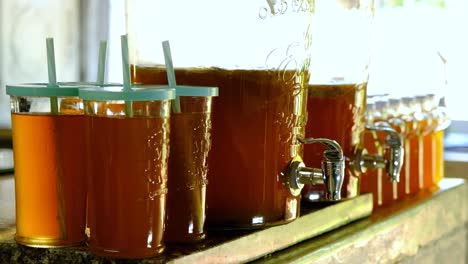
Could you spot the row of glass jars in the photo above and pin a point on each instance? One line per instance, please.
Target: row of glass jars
(99, 154)
(420, 122)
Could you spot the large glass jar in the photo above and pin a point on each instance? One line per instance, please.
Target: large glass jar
(257, 53)
(338, 85)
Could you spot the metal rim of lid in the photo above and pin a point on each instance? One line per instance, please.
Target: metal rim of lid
(187, 90)
(148, 93)
(42, 90)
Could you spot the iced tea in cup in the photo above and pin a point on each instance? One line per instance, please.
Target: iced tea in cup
(127, 137)
(188, 164)
(49, 155)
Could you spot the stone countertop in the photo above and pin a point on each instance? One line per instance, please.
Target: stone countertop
(218, 247)
(428, 227)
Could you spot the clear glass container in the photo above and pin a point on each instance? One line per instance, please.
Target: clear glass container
(338, 85)
(188, 165)
(258, 53)
(127, 139)
(376, 180)
(441, 121)
(411, 165)
(427, 126)
(48, 140)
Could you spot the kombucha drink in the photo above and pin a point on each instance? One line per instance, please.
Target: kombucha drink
(426, 153)
(50, 179)
(443, 122)
(414, 159)
(439, 155)
(188, 168)
(256, 119)
(403, 124)
(376, 180)
(405, 180)
(127, 166)
(433, 146)
(336, 111)
(429, 160)
(410, 176)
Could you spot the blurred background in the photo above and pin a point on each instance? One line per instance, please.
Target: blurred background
(419, 47)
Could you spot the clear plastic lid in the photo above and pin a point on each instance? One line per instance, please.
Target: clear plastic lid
(87, 84)
(43, 90)
(90, 84)
(148, 93)
(186, 90)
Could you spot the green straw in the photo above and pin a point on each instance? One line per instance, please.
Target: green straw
(126, 74)
(54, 109)
(101, 63)
(171, 74)
(52, 73)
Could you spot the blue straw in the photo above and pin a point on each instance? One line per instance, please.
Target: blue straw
(52, 73)
(101, 62)
(127, 87)
(171, 74)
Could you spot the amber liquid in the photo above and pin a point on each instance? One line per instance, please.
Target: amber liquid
(256, 119)
(404, 184)
(429, 161)
(415, 166)
(439, 156)
(127, 166)
(336, 111)
(427, 157)
(403, 127)
(188, 168)
(376, 181)
(50, 180)
(425, 154)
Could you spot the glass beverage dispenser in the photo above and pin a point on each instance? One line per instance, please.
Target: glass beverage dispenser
(257, 53)
(337, 92)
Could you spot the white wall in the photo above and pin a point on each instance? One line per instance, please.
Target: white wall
(25, 25)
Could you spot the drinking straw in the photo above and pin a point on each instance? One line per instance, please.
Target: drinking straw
(54, 110)
(52, 73)
(126, 74)
(171, 74)
(101, 63)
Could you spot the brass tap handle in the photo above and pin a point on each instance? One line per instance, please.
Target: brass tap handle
(394, 152)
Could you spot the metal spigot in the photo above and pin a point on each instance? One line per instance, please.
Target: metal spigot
(392, 160)
(331, 174)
